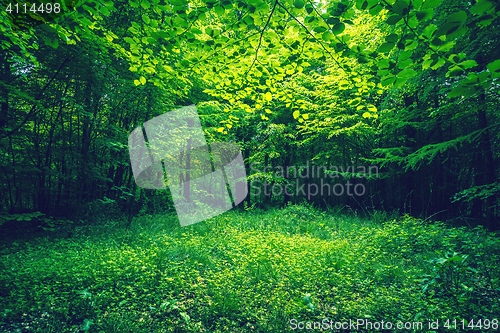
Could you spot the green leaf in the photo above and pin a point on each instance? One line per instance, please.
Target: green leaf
(366, 115)
(484, 77)
(219, 10)
(456, 32)
(137, 82)
(361, 4)
(482, 6)
(403, 64)
(332, 20)
(362, 60)
(268, 96)
(429, 30)
(438, 64)
(494, 66)
(443, 30)
(129, 40)
(299, 4)
(407, 73)
(458, 17)
(400, 7)
(425, 15)
(375, 10)
(383, 64)
(431, 4)
(405, 55)
(392, 38)
(427, 64)
(392, 20)
(372, 108)
(296, 114)
(145, 18)
(436, 41)
(388, 80)
(386, 47)
(319, 29)
(327, 36)
(486, 20)
(468, 64)
(447, 46)
(338, 28)
(458, 91)
(416, 4)
(143, 80)
(454, 71)
(400, 82)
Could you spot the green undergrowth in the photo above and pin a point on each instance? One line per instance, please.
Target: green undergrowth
(254, 271)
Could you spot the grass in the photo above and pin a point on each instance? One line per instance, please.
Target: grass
(255, 271)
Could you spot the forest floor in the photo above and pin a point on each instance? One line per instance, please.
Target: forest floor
(280, 270)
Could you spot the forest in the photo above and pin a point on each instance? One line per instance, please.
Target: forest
(353, 144)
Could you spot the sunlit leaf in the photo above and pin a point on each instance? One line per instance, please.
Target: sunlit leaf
(327, 36)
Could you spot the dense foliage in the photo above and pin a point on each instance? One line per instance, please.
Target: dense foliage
(390, 107)
(252, 271)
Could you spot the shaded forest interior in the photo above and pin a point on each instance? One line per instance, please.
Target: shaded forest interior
(408, 88)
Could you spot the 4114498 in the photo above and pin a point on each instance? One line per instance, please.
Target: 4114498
(26, 8)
